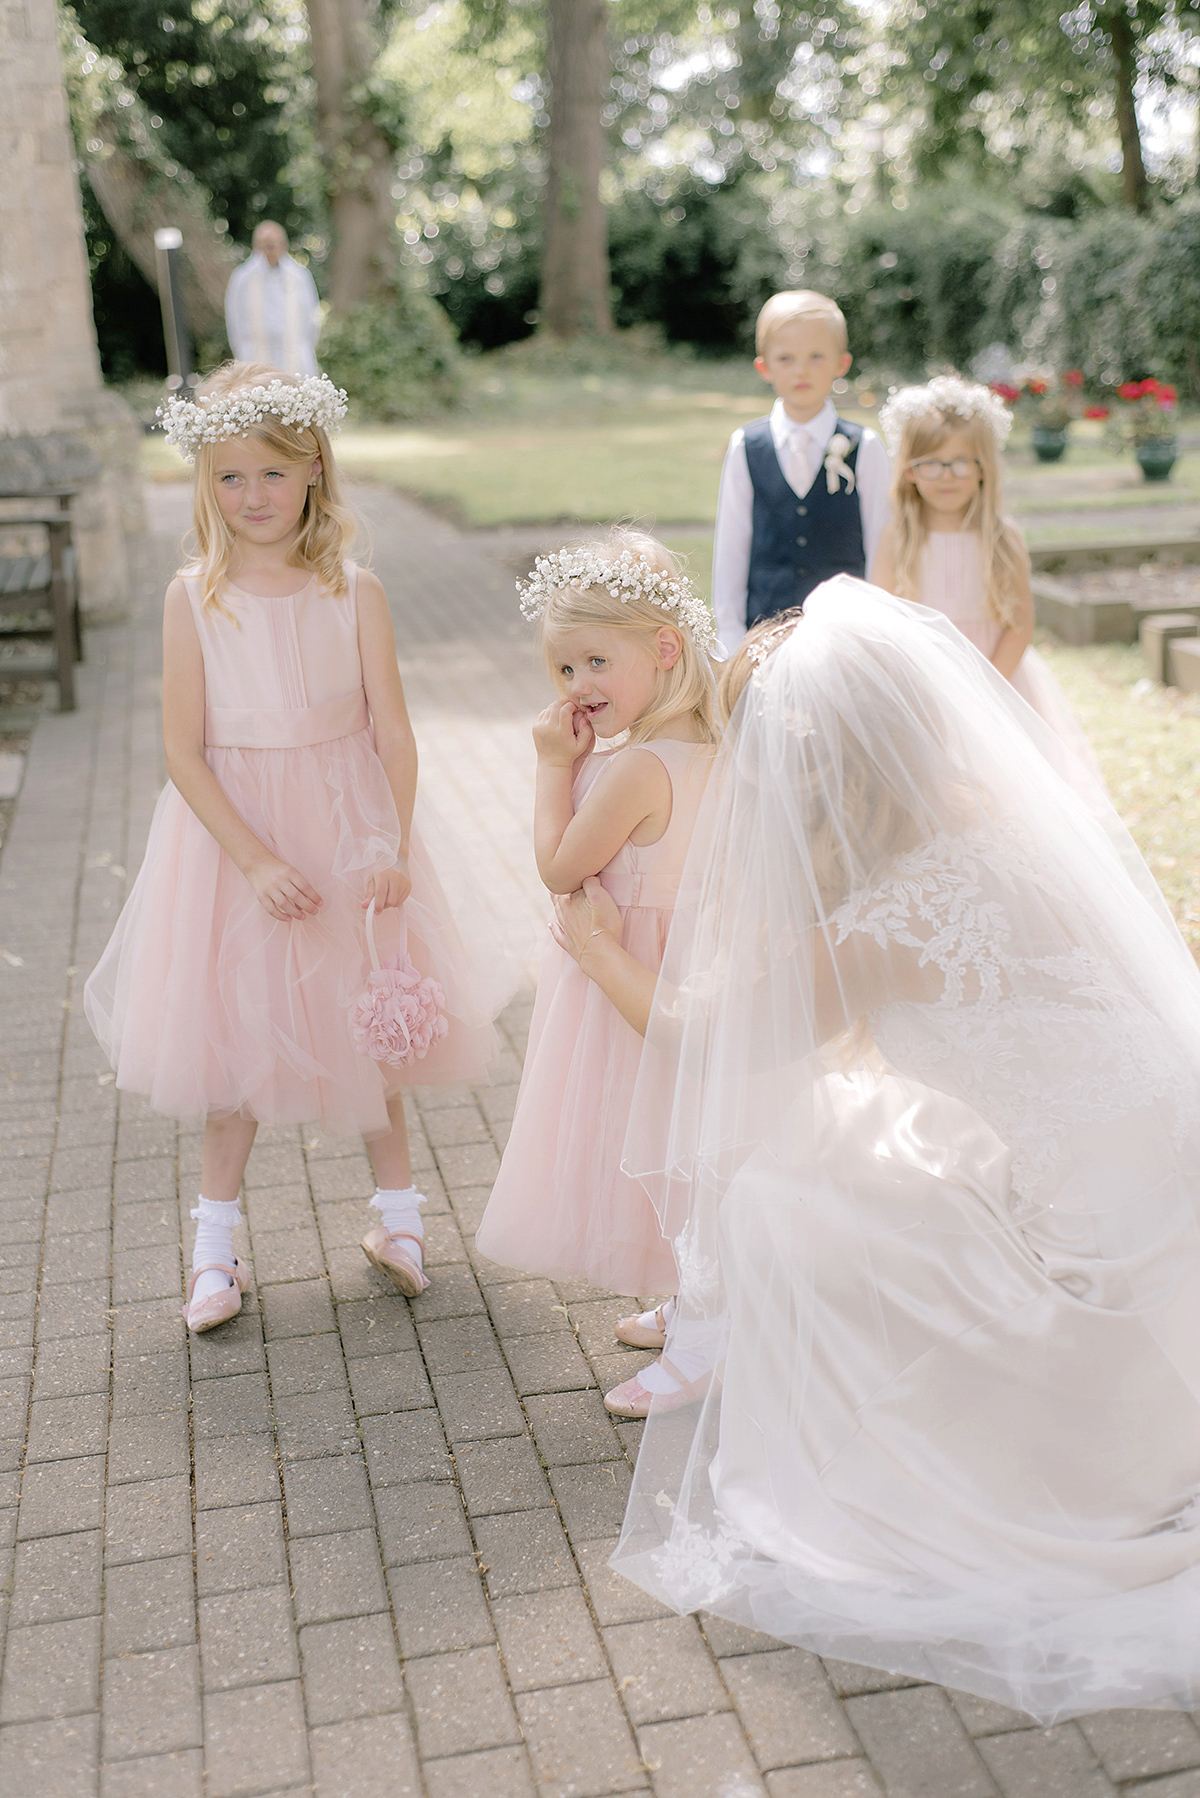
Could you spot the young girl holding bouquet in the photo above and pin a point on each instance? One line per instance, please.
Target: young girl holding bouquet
(228, 987)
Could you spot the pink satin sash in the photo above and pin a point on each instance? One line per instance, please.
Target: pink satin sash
(298, 727)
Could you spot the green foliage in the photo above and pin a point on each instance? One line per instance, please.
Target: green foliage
(468, 188)
(226, 85)
(988, 77)
(1116, 295)
(915, 284)
(1170, 279)
(396, 356)
(125, 307)
(699, 267)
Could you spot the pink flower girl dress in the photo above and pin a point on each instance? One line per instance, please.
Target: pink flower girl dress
(206, 1004)
(561, 1205)
(952, 583)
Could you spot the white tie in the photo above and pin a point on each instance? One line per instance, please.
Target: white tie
(796, 466)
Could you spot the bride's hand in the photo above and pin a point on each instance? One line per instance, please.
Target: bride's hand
(578, 916)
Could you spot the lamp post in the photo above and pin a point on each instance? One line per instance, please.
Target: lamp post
(168, 254)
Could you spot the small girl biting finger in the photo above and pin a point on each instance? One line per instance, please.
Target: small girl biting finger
(628, 644)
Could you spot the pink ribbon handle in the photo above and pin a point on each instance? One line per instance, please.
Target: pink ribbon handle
(375, 967)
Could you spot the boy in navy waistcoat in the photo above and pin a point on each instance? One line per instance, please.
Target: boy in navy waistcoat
(804, 493)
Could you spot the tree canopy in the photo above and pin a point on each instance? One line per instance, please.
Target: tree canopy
(737, 142)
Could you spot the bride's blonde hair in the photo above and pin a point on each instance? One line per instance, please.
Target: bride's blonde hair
(1004, 556)
(689, 689)
(881, 823)
(327, 526)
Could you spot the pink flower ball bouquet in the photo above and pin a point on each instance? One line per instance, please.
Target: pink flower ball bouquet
(401, 1013)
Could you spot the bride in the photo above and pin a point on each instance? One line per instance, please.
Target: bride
(919, 1108)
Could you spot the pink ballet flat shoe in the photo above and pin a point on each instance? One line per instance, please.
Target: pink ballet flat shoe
(636, 1335)
(218, 1307)
(383, 1251)
(631, 1399)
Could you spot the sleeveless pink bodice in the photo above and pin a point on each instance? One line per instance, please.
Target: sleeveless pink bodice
(649, 876)
(952, 583)
(282, 673)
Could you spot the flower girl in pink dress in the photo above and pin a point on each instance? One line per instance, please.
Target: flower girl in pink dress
(227, 989)
(950, 546)
(628, 643)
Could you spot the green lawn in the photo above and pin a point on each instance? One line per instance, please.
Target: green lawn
(1148, 745)
(645, 439)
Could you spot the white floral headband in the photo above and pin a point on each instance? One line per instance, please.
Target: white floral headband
(624, 576)
(311, 403)
(945, 393)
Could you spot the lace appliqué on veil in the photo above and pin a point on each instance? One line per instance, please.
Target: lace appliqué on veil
(1037, 1045)
(695, 1564)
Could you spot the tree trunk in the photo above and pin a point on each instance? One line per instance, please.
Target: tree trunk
(1124, 54)
(358, 158)
(575, 276)
(137, 199)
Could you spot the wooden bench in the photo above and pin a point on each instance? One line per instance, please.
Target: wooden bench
(39, 573)
(39, 602)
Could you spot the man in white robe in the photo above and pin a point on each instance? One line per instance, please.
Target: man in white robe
(272, 312)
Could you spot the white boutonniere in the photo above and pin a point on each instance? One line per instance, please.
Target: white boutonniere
(835, 463)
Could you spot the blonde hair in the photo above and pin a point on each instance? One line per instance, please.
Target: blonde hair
(1005, 558)
(689, 689)
(327, 526)
(758, 643)
(783, 308)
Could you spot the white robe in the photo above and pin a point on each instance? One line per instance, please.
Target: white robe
(273, 314)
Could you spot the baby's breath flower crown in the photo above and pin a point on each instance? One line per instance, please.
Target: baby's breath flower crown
(314, 401)
(945, 393)
(625, 576)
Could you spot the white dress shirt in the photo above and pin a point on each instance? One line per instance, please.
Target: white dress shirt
(801, 450)
(273, 314)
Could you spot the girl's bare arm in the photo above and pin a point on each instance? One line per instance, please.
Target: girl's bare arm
(1016, 637)
(395, 743)
(282, 890)
(883, 568)
(633, 791)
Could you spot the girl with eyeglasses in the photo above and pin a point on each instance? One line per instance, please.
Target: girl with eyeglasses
(950, 546)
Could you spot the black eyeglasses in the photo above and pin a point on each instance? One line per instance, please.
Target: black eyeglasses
(931, 470)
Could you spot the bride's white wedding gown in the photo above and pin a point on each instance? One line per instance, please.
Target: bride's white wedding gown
(951, 1260)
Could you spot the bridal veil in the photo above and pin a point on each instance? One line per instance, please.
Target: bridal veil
(919, 1109)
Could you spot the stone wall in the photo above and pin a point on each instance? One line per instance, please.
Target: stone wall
(49, 364)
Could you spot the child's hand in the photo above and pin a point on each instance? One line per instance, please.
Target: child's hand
(392, 887)
(562, 735)
(283, 892)
(579, 916)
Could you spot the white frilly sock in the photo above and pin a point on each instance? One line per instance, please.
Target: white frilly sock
(215, 1224)
(401, 1210)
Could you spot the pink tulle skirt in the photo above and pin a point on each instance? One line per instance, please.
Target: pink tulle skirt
(561, 1205)
(208, 1006)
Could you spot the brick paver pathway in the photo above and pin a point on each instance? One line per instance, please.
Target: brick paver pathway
(349, 1546)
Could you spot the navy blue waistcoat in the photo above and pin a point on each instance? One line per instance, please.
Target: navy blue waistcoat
(799, 540)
